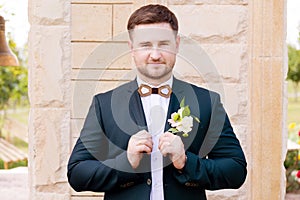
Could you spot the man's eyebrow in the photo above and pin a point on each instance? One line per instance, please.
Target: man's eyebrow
(145, 42)
(160, 41)
(165, 41)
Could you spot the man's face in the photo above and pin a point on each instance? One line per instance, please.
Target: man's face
(154, 48)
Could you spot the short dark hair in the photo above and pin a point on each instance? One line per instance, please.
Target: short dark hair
(151, 14)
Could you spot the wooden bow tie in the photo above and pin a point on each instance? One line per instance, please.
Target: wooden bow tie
(146, 90)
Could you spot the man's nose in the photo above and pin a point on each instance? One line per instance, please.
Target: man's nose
(155, 54)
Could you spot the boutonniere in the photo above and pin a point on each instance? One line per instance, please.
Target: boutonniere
(182, 120)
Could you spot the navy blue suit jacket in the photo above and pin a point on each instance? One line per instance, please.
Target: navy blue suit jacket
(99, 163)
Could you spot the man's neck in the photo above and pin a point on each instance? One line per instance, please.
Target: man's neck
(155, 82)
(167, 82)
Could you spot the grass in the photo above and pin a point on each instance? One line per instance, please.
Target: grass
(20, 114)
(293, 114)
(22, 163)
(290, 87)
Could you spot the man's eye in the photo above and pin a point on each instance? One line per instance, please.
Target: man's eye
(165, 46)
(145, 45)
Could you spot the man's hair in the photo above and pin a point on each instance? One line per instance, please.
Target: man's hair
(151, 14)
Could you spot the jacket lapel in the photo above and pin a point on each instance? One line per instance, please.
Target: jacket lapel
(136, 108)
(176, 97)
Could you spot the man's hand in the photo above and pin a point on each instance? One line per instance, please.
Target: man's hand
(172, 145)
(138, 144)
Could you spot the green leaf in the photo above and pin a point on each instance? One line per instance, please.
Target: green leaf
(185, 135)
(173, 130)
(182, 102)
(186, 111)
(197, 119)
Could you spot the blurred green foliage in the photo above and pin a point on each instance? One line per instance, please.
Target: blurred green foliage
(292, 165)
(13, 85)
(294, 68)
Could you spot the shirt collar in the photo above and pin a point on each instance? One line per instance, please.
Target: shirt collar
(168, 82)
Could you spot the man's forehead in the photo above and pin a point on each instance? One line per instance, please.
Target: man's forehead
(153, 33)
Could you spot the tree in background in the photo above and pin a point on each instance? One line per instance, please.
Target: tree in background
(13, 83)
(294, 68)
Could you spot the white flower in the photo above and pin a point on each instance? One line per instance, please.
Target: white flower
(182, 121)
(175, 119)
(180, 110)
(186, 124)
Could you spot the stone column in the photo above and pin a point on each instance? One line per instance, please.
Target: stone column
(49, 92)
(268, 105)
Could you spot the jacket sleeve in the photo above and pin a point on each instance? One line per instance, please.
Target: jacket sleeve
(89, 167)
(223, 164)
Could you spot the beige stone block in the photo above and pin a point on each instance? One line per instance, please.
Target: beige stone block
(91, 22)
(198, 81)
(104, 75)
(183, 68)
(115, 55)
(89, 198)
(234, 2)
(213, 2)
(208, 2)
(266, 124)
(121, 15)
(278, 37)
(212, 23)
(268, 30)
(49, 139)
(73, 142)
(76, 126)
(230, 60)
(213, 63)
(87, 194)
(193, 62)
(242, 133)
(55, 12)
(228, 194)
(273, 39)
(49, 72)
(234, 99)
(272, 126)
(49, 196)
(80, 52)
(103, 1)
(222, 2)
(83, 92)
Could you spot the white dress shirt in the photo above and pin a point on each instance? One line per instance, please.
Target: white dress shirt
(156, 108)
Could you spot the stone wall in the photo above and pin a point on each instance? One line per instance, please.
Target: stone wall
(241, 41)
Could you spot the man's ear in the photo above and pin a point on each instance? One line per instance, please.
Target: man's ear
(177, 43)
(130, 45)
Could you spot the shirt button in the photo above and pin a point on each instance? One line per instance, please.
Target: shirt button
(148, 181)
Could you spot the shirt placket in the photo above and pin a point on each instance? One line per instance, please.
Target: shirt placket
(156, 128)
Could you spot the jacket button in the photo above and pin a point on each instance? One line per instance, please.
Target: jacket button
(187, 184)
(148, 181)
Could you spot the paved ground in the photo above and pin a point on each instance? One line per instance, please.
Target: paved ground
(292, 197)
(14, 185)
